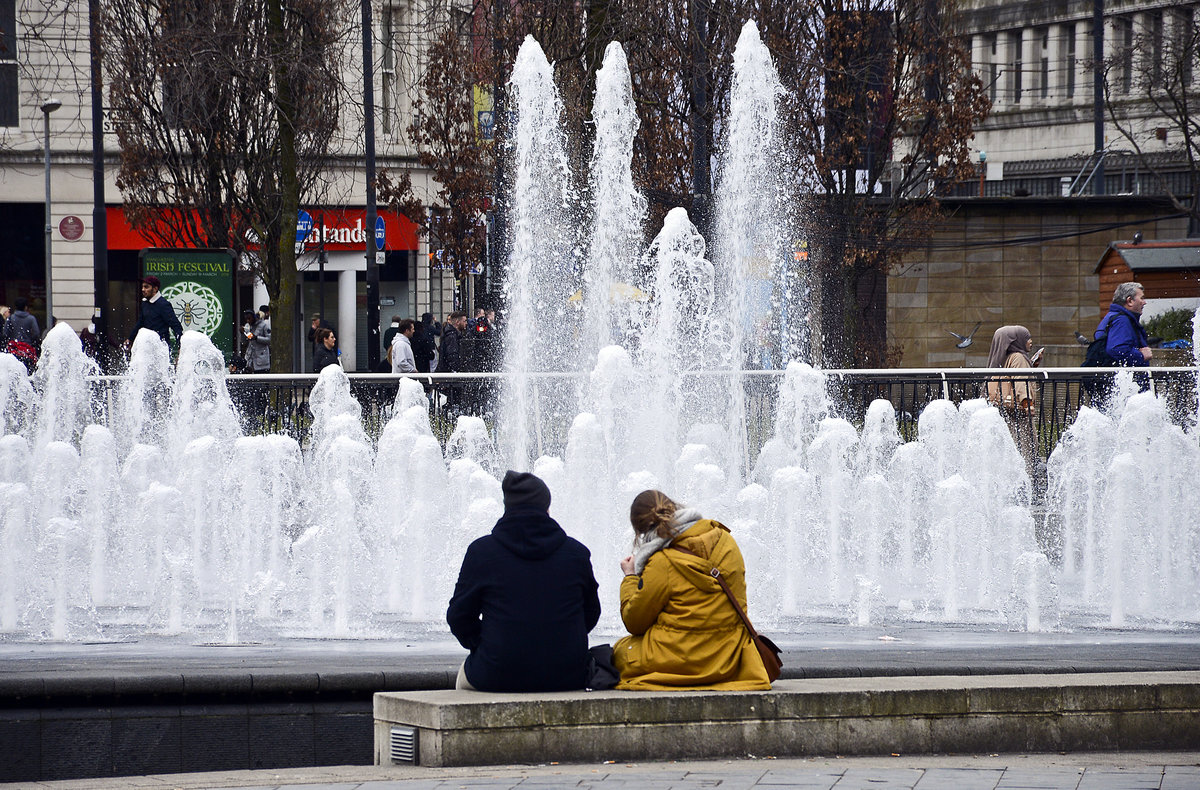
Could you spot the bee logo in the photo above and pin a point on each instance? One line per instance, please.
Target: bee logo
(196, 305)
(192, 313)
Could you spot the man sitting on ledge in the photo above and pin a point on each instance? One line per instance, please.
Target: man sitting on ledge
(525, 600)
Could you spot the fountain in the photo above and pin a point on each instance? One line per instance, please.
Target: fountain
(156, 516)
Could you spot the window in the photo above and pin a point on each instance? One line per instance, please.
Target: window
(993, 68)
(1069, 61)
(1044, 77)
(1185, 31)
(1125, 51)
(387, 72)
(1015, 85)
(1154, 23)
(190, 85)
(9, 84)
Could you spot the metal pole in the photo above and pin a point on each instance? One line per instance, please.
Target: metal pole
(369, 138)
(701, 122)
(496, 236)
(1098, 92)
(99, 212)
(50, 106)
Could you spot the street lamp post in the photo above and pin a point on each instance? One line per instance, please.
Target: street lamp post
(50, 106)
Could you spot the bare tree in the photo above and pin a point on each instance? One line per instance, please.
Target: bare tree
(451, 145)
(1152, 97)
(881, 108)
(469, 51)
(216, 150)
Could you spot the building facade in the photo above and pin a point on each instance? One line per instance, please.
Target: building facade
(1021, 245)
(45, 56)
(1036, 61)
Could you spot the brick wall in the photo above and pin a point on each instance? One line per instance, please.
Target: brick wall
(1012, 261)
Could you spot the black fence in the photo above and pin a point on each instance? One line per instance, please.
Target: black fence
(1045, 402)
(1054, 395)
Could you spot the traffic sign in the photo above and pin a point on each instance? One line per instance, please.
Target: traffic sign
(304, 223)
(380, 233)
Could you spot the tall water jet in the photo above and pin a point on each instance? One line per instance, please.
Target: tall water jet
(99, 506)
(618, 208)
(752, 226)
(684, 300)
(542, 263)
(200, 404)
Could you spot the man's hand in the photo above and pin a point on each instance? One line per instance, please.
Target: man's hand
(1146, 353)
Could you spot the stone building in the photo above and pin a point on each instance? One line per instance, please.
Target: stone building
(44, 56)
(1028, 261)
(1021, 245)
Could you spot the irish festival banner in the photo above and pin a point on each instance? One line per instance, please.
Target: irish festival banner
(199, 285)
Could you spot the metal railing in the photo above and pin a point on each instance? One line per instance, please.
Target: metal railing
(280, 403)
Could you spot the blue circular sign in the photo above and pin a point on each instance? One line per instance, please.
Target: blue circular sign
(380, 233)
(304, 223)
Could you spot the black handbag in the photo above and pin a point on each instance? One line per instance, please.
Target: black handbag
(602, 673)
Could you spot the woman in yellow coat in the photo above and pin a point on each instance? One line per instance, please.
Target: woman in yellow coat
(684, 631)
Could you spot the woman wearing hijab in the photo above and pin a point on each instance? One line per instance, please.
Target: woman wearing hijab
(1010, 349)
(1015, 397)
(684, 632)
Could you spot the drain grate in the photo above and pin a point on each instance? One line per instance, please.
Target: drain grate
(404, 745)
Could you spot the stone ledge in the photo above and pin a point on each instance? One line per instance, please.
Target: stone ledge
(877, 715)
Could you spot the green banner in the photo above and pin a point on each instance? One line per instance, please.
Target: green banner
(199, 285)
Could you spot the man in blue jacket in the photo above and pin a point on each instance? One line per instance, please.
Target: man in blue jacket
(1126, 340)
(526, 599)
(157, 313)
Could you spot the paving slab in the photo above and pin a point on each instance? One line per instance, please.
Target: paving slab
(1117, 770)
(212, 697)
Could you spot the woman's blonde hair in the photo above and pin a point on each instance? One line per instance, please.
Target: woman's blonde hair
(652, 511)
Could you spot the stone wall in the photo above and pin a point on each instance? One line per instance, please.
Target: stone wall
(1021, 261)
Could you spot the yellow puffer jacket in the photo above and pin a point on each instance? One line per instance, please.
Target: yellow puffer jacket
(685, 632)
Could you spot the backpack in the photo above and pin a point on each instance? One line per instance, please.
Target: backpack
(23, 351)
(1097, 355)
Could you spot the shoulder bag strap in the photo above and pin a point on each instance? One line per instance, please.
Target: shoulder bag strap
(716, 574)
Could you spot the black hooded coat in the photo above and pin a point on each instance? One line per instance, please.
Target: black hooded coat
(525, 600)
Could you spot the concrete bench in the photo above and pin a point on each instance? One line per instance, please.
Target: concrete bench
(878, 715)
